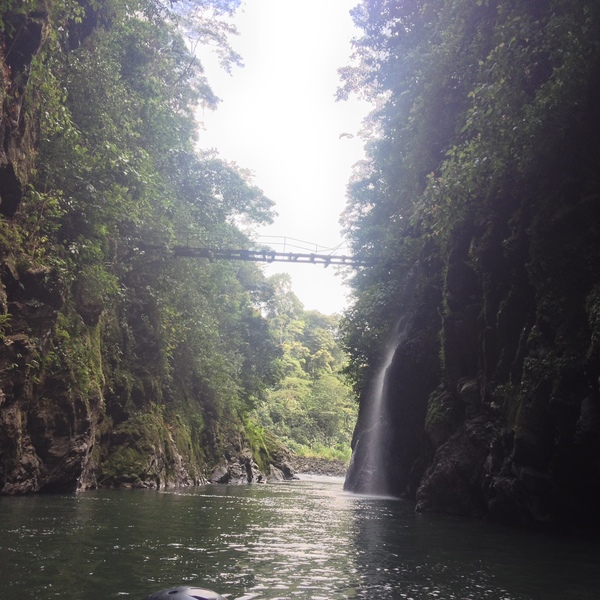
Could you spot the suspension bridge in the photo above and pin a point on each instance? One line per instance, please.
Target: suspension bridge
(270, 249)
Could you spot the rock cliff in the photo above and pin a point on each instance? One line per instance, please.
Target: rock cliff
(480, 193)
(97, 385)
(493, 395)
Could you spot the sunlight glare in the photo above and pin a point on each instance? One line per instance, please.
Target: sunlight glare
(279, 118)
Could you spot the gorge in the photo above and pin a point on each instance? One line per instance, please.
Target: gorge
(475, 327)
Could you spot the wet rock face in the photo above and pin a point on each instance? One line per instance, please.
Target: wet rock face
(146, 465)
(454, 482)
(46, 442)
(411, 377)
(238, 470)
(46, 434)
(241, 469)
(506, 424)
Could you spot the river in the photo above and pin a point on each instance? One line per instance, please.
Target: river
(298, 540)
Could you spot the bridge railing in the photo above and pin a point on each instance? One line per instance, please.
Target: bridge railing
(289, 244)
(267, 248)
(270, 256)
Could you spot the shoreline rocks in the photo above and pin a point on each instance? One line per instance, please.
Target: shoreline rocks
(242, 469)
(319, 466)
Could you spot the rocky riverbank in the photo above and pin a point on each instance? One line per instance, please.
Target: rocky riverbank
(318, 466)
(241, 468)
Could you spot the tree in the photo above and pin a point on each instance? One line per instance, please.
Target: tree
(311, 409)
(162, 351)
(466, 95)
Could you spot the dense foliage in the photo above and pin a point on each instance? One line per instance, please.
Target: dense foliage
(122, 364)
(312, 409)
(155, 354)
(476, 103)
(480, 192)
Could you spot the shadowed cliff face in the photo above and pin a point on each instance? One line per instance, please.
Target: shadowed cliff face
(526, 447)
(487, 169)
(492, 396)
(387, 442)
(22, 39)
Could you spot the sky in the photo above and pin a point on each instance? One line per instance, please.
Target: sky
(278, 117)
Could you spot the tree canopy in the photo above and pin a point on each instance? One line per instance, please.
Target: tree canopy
(161, 350)
(311, 409)
(475, 102)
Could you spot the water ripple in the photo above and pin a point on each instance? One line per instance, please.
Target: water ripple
(303, 541)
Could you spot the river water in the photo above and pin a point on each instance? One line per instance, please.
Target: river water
(298, 540)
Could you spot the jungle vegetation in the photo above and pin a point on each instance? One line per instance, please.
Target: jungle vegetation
(484, 116)
(159, 349)
(480, 192)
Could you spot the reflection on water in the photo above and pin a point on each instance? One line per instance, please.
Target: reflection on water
(300, 540)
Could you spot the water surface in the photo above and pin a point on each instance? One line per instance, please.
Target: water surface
(298, 540)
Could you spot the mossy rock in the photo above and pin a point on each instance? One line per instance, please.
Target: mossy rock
(442, 416)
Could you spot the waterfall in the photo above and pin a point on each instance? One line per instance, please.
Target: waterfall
(368, 472)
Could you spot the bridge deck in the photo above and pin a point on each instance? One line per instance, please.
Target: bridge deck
(270, 256)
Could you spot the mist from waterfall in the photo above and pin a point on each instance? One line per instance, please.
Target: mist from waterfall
(377, 427)
(368, 464)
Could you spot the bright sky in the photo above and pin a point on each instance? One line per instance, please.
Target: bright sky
(279, 118)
